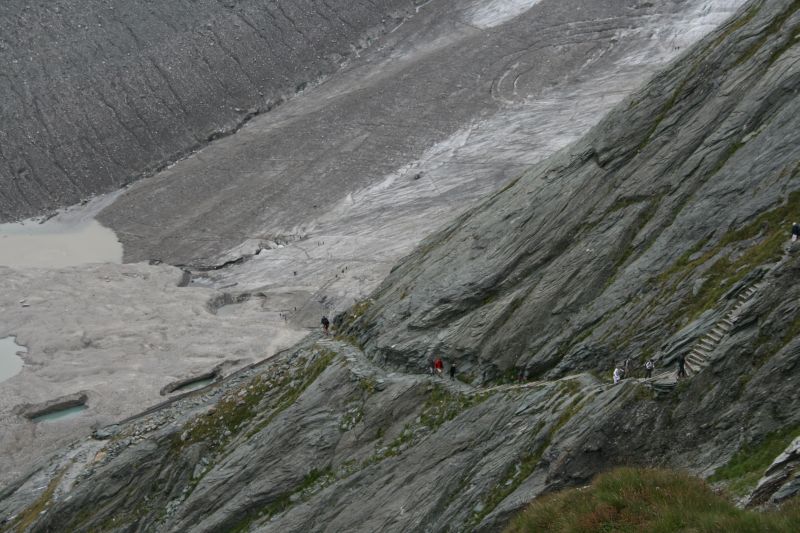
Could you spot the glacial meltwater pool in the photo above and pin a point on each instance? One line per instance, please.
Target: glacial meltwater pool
(71, 237)
(10, 362)
(61, 414)
(56, 244)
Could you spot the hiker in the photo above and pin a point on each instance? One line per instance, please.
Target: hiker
(439, 366)
(618, 374)
(648, 368)
(431, 366)
(453, 370)
(325, 324)
(795, 231)
(520, 376)
(681, 366)
(626, 368)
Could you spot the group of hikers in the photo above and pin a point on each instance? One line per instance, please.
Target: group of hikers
(436, 368)
(623, 370)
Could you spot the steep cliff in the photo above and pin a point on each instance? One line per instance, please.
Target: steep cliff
(664, 232)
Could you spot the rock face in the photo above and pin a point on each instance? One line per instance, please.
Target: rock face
(595, 255)
(96, 93)
(780, 481)
(632, 243)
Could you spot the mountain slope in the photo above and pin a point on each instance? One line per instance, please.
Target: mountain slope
(633, 242)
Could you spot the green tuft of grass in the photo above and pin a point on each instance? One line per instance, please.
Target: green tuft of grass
(759, 242)
(512, 478)
(748, 464)
(656, 501)
(28, 517)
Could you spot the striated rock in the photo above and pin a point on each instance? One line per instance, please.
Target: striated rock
(781, 481)
(588, 259)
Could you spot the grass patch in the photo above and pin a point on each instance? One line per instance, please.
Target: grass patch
(312, 483)
(307, 377)
(656, 501)
(27, 517)
(234, 410)
(440, 406)
(769, 231)
(773, 342)
(512, 478)
(748, 464)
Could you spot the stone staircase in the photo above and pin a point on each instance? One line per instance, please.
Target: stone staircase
(700, 354)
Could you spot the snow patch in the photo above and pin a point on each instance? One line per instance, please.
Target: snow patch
(497, 12)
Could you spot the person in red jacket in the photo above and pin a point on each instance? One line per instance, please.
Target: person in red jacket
(439, 366)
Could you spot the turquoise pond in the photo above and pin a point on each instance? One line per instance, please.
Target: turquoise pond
(63, 414)
(10, 362)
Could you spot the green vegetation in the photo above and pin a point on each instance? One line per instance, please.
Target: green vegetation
(692, 72)
(300, 383)
(440, 406)
(748, 465)
(512, 478)
(771, 342)
(312, 483)
(769, 233)
(568, 413)
(220, 424)
(775, 26)
(656, 501)
(27, 517)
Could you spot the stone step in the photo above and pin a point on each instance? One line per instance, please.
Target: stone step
(697, 362)
(699, 351)
(714, 337)
(707, 344)
(727, 322)
(716, 330)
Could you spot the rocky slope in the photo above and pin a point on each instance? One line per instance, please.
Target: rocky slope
(307, 207)
(94, 94)
(634, 242)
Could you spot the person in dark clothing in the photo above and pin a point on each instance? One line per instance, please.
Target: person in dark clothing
(325, 324)
(453, 370)
(681, 366)
(795, 231)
